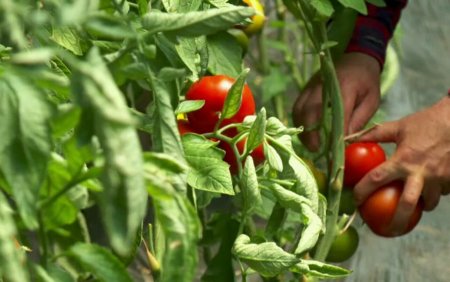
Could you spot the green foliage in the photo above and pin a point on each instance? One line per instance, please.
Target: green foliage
(90, 149)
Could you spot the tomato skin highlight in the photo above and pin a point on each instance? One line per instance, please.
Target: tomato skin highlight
(343, 246)
(378, 210)
(214, 90)
(360, 158)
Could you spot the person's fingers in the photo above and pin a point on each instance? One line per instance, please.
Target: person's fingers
(431, 195)
(349, 100)
(376, 178)
(307, 113)
(363, 111)
(407, 203)
(386, 132)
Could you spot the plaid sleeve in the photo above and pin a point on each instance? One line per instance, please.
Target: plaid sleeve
(373, 31)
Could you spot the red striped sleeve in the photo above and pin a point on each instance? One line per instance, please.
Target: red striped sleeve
(373, 31)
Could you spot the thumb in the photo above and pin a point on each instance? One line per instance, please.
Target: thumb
(386, 132)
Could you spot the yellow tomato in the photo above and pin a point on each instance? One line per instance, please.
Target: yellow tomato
(258, 19)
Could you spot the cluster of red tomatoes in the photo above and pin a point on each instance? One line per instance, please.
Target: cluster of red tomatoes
(379, 208)
(214, 90)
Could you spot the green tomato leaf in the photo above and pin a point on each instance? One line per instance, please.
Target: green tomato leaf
(123, 202)
(208, 170)
(257, 131)
(179, 231)
(320, 270)
(25, 143)
(289, 199)
(34, 56)
(11, 259)
(273, 157)
(224, 57)
(189, 106)
(251, 195)
(266, 258)
(181, 5)
(358, 5)
(69, 38)
(275, 83)
(196, 23)
(100, 262)
(323, 7)
(311, 230)
(234, 97)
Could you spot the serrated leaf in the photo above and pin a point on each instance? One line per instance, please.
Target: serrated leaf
(358, 5)
(224, 56)
(320, 270)
(208, 170)
(289, 199)
(196, 23)
(123, 202)
(25, 144)
(187, 51)
(266, 258)
(189, 106)
(257, 131)
(100, 262)
(249, 187)
(233, 100)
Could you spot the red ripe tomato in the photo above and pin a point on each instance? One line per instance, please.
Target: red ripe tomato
(213, 90)
(184, 127)
(378, 210)
(230, 158)
(360, 158)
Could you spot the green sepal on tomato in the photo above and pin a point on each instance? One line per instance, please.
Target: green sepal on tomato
(379, 209)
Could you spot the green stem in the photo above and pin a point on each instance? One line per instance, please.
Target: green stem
(43, 240)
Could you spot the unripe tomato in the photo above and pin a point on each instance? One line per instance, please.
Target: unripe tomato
(343, 246)
(360, 158)
(257, 20)
(214, 90)
(378, 210)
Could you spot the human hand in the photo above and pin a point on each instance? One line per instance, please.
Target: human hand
(359, 77)
(421, 159)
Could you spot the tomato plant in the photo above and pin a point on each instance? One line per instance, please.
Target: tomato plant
(344, 245)
(214, 90)
(90, 95)
(360, 158)
(379, 208)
